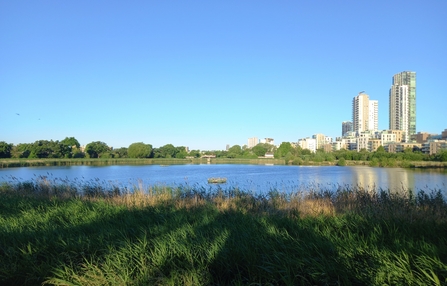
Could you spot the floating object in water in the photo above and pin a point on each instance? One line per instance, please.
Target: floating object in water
(217, 180)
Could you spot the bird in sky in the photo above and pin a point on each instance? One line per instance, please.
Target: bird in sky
(17, 113)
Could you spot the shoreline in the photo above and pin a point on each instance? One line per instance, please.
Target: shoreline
(14, 163)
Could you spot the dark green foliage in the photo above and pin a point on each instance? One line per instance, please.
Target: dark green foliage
(120, 152)
(5, 149)
(71, 141)
(166, 151)
(21, 150)
(341, 162)
(67, 148)
(234, 151)
(195, 153)
(284, 149)
(259, 149)
(139, 150)
(441, 156)
(96, 149)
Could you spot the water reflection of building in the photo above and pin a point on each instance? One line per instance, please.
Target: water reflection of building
(399, 179)
(364, 177)
(395, 179)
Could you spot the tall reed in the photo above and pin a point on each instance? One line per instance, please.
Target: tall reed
(61, 232)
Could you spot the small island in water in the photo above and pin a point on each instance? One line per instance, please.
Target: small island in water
(217, 180)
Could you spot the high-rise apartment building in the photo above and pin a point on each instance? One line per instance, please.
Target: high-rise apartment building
(365, 115)
(252, 142)
(346, 126)
(403, 103)
(373, 115)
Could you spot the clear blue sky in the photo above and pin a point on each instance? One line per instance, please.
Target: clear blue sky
(204, 74)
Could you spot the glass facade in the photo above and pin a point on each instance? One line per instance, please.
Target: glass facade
(403, 103)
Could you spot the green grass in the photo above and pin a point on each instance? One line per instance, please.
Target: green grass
(63, 233)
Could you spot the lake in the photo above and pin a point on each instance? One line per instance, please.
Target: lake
(252, 178)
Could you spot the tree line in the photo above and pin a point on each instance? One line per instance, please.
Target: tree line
(70, 148)
(292, 154)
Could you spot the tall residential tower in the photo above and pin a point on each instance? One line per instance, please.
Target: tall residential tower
(364, 113)
(403, 103)
(346, 126)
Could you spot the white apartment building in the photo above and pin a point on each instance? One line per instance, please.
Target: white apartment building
(387, 137)
(320, 139)
(373, 115)
(308, 143)
(365, 113)
(252, 142)
(363, 141)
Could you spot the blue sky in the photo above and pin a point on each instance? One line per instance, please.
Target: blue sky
(204, 74)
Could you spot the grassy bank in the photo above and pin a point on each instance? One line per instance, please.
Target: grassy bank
(59, 233)
(11, 163)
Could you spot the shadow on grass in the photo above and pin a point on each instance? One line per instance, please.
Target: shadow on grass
(98, 243)
(79, 241)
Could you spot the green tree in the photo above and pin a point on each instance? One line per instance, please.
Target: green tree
(42, 149)
(259, 150)
(341, 162)
(234, 151)
(194, 153)
(441, 156)
(5, 149)
(166, 151)
(22, 150)
(284, 149)
(96, 149)
(380, 149)
(120, 152)
(289, 158)
(71, 141)
(181, 152)
(139, 150)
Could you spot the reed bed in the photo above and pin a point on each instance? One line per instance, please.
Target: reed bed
(61, 232)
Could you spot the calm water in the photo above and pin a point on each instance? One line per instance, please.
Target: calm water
(255, 178)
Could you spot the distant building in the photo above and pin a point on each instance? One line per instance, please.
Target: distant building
(270, 141)
(308, 143)
(373, 115)
(422, 137)
(320, 139)
(364, 113)
(363, 141)
(402, 101)
(374, 144)
(346, 126)
(252, 142)
(338, 145)
(433, 146)
(269, 155)
(444, 134)
(400, 147)
(400, 135)
(388, 137)
(327, 147)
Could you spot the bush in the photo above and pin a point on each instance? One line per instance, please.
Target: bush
(341, 162)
